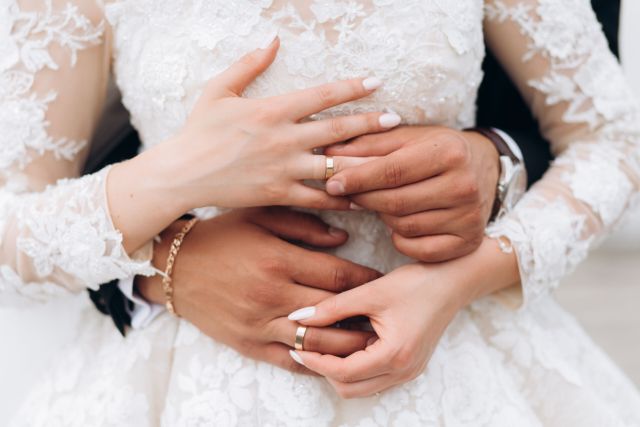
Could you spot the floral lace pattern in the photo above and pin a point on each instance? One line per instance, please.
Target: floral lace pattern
(60, 239)
(553, 228)
(24, 41)
(494, 366)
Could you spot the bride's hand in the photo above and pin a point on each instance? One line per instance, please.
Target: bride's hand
(240, 152)
(409, 309)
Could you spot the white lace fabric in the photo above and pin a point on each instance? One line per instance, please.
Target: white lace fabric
(579, 95)
(56, 236)
(494, 366)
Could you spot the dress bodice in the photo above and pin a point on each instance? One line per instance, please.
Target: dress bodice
(428, 53)
(164, 53)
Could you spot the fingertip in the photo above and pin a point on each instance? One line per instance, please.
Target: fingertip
(272, 41)
(371, 84)
(389, 120)
(335, 187)
(337, 233)
(296, 357)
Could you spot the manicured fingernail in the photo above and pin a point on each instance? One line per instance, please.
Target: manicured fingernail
(303, 313)
(336, 232)
(371, 340)
(335, 188)
(372, 83)
(268, 41)
(389, 120)
(295, 356)
(355, 207)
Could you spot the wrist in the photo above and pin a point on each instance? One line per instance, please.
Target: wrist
(150, 288)
(486, 152)
(164, 167)
(488, 270)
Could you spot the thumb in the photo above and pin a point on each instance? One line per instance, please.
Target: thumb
(300, 226)
(235, 79)
(339, 307)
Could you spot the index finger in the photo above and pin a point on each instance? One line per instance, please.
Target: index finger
(306, 102)
(406, 166)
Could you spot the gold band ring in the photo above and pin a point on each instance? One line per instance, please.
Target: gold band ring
(300, 333)
(330, 167)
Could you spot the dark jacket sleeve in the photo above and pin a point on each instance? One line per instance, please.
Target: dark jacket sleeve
(501, 106)
(115, 140)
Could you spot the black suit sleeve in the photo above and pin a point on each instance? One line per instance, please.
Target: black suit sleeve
(501, 106)
(108, 299)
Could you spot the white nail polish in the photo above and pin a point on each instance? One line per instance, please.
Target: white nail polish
(303, 313)
(390, 120)
(372, 83)
(295, 356)
(269, 39)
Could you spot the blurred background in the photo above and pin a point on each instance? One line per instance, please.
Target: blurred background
(604, 294)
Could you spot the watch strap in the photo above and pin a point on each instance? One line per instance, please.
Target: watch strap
(503, 149)
(498, 141)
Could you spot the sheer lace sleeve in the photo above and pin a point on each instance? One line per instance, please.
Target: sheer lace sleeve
(557, 54)
(56, 234)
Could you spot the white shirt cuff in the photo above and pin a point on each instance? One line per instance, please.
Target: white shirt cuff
(143, 312)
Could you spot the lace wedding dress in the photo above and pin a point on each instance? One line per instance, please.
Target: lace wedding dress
(497, 365)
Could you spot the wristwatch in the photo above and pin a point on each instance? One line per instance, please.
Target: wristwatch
(512, 183)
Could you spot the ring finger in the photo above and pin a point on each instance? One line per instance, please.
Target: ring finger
(318, 167)
(338, 342)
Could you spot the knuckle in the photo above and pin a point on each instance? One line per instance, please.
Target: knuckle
(402, 360)
(344, 376)
(264, 294)
(457, 152)
(338, 128)
(272, 266)
(476, 218)
(266, 114)
(321, 202)
(408, 227)
(373, 121)
(475, 239)
(468, 189)
(356, 87)
(326, 94)
(393, 173)
(397, 205)
(340, 279)
(274, 192)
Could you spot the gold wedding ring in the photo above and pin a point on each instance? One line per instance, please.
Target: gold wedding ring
(300, 333)
(330, 167)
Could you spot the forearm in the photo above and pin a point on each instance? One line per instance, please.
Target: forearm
(142, 198)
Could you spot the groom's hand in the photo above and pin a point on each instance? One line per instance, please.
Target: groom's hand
(237, 277)
(433, 186)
